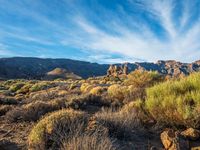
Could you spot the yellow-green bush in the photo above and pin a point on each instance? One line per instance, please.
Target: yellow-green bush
(86, 87)
(176, 102)
(49, 131)
(25, 89)
(17, 86)
(98, 90)
(142, 79)
(41, 86)
(117, 91)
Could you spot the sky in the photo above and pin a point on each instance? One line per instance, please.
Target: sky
(102, 31)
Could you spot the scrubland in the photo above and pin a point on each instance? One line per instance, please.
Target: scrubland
(100, 113)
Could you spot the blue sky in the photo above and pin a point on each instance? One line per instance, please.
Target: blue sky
(103, 31)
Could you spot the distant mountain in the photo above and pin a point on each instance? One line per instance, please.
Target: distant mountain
(37, 68)
(60, 73)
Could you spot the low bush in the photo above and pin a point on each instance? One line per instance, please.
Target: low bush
(142, 79)
(122, 124)
(25, 89)
(138, 81)
(86, 87)
(176, 103)
(89, 142)
(117, 91)
(83, 101)
(98, 90)
(55, 128)
(17, 86)
(4, 109)
(34, 111)
(41, 86)
(8, 101)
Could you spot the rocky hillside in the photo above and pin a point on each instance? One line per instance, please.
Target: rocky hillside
(60, 73)
(171, 68)
(36, 68)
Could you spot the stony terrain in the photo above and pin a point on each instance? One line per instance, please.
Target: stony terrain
(120, 111)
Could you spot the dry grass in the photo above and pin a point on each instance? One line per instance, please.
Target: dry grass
(89, 142)
(33, 111)
(49, 131)
(122, 124)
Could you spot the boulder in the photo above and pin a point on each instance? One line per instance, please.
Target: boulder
(172, 140)
(191, 134)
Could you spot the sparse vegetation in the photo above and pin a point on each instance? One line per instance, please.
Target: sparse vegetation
(100, 112)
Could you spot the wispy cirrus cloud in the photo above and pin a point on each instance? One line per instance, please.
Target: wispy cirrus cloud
(133, 30)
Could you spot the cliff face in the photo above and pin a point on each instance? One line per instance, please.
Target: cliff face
(171, 68)
(36, 68)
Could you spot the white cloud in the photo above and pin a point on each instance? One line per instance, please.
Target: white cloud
(133, 41)
(144, 45)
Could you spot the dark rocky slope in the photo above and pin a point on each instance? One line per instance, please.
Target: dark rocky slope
(36, 68)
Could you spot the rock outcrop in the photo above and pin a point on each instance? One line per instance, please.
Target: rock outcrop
(173, 141)
(115, 70)
(191, 134)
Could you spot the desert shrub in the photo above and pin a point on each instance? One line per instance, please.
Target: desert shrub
(8, 83)
(17, 86)
(176, 102)
(5, 92)
(44, 95)
(8, 101)
(86, 87)
(55, 128)
(140, 78)
(122, 124)
(41, 86)
(83, 101)
(138, 81)
(34, 111)
(4, 109)
(98, 90)
(89, 142)
(25, 89)
(117, 91)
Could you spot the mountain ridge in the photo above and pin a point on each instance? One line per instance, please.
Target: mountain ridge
(36, 68)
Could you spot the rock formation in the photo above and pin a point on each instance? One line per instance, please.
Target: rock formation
(115, 70)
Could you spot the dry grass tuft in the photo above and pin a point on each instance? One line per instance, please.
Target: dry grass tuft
(55, 128)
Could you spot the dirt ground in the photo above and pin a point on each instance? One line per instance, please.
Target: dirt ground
(13, 136)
